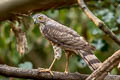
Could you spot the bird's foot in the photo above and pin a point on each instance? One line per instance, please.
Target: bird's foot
(46, 70)
(66, 72)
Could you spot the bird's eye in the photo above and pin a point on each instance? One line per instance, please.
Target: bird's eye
(40, 18)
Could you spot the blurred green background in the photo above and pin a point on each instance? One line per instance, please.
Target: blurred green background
(40, 52)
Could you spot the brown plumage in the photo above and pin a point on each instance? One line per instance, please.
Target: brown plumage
(62, 37)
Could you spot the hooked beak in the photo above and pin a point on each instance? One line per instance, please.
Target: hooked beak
(35, 19)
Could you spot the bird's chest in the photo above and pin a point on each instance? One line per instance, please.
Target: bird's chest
(42, 28)
(45, 32)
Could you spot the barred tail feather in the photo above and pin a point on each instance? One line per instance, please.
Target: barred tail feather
(92, 61)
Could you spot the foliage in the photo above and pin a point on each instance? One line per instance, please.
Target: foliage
(40, 53)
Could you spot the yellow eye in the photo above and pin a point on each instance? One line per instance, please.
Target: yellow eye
(40, 18)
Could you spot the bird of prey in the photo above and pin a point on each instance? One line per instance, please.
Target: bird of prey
(64, 38)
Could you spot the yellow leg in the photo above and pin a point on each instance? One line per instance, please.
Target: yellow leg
(49, 69)
(52, 64)
(67, 62)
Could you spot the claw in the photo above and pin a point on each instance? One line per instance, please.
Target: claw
(66, 72)
(49, 69)
(46, 70)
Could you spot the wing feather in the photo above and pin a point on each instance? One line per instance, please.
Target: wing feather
(65, 37)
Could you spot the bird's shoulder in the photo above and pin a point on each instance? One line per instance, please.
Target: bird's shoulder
(55, 26)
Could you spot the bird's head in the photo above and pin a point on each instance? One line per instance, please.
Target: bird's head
(40, 18)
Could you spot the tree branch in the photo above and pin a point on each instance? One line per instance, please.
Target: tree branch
(98, 22)
(34, 74)
(25, 6)
(106, 67)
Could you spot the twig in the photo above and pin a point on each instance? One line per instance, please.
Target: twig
(106, 67)
(98, 22)
(35, 74)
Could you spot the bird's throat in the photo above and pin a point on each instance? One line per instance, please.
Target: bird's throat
(42, 26)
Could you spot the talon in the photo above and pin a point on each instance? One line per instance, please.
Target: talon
(66, 72)
(51, 73)
(46, 70)
(41, 68)
(49, 69)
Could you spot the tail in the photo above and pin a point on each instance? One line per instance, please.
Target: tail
(92, 61)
